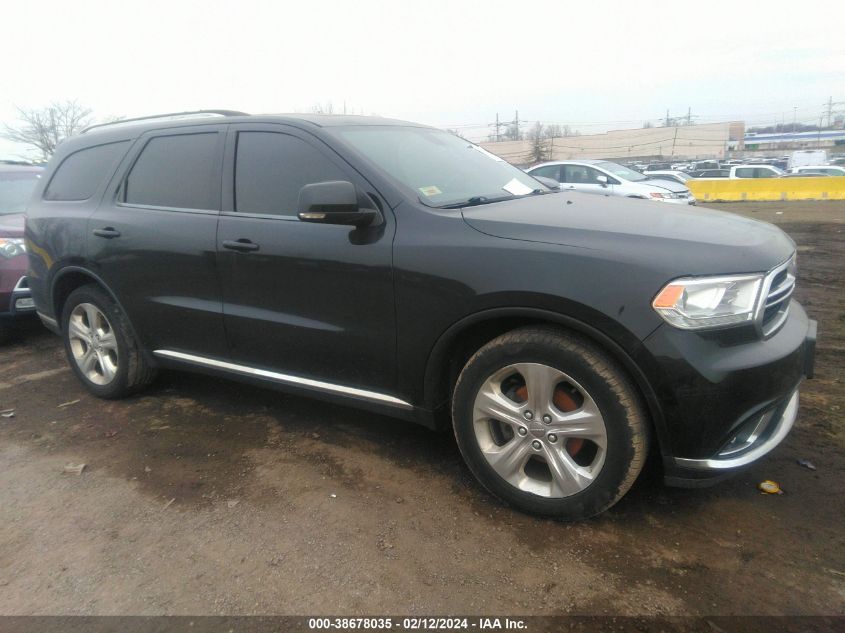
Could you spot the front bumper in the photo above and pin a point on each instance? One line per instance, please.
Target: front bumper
(689, 200)
(728, 398)
(18, 302)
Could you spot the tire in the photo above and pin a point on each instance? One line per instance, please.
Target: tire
(569, 448)
(106, 357)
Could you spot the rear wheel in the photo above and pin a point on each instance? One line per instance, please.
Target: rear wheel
(549, 423)
(100, 346)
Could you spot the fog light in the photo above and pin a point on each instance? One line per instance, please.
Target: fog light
(24, 303)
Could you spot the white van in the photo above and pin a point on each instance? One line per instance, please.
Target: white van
(803, 157)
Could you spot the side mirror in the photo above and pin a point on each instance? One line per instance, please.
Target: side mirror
(333, 202)
(551, 183)
(602, 180)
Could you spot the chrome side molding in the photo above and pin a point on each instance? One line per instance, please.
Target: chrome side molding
(286, 379)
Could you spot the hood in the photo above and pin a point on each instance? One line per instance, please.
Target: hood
(12, 225)
(671, 185)
(679, 240)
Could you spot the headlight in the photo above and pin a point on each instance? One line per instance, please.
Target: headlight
(12, 246)
(696, 303)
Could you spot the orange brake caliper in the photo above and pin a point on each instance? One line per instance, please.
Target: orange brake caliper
(564, 402)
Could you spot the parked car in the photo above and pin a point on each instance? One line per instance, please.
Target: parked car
(676, 176)
(404, 270)
(611, 179)
(802, 157)
(755, 171)
(711, 173)
(827, 170)
(17, 182)
(701, 165)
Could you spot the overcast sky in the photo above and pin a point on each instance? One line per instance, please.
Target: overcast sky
(593, 65)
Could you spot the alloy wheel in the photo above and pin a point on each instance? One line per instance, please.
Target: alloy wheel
(93, 343)
(540, 430)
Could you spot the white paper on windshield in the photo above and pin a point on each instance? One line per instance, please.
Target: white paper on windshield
(517, 188)
(489, 155)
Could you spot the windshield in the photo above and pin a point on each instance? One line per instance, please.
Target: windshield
(622, 172)
(442, 169)
(15, 190)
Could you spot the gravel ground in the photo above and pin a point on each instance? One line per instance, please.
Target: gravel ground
(203, 496)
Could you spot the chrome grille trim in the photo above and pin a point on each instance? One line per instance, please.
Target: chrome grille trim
(777, 298)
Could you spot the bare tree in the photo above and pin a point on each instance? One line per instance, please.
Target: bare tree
(319, 108)
(45, 128)
(512, 133)
(456, 133)
(540, 144)
(648, 124)
(553, 130)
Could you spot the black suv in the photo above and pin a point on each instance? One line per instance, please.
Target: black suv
(402, 269)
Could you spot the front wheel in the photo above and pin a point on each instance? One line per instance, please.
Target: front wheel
(549, 423)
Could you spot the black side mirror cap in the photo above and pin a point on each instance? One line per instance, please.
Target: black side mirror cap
(333, 202)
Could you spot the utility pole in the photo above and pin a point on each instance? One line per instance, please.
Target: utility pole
(830, 111)
(667, 117)
(794, 118)
(516, 124)
(689, 115)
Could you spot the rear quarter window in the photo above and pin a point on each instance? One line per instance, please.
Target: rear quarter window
(81, 173)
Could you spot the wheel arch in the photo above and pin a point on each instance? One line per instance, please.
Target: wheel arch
(454, 347)
(72, 277)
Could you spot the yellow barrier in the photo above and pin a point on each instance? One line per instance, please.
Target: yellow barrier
(768, 189)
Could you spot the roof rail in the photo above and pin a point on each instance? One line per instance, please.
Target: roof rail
(169, 115)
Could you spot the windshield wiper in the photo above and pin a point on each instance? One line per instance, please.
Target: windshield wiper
(475, 201)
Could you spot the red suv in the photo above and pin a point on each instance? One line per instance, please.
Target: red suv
(16, 185)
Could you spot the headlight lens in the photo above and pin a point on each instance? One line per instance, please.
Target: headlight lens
(696, 303)
(12, 246)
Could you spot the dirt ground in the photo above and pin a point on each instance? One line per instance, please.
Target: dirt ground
(203, 496)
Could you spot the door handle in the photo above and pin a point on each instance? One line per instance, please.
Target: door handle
(242, 245)
(107, 232)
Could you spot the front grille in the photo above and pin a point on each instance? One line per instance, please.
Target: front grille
(780, 283)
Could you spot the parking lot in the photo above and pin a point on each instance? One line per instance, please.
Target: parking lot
(208, 496)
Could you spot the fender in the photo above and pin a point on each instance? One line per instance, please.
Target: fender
(616, 350)
(95, 278)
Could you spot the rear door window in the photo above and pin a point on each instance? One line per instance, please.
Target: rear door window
(549, 171)
(745, 172)
(177, 172)
(81, 173)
